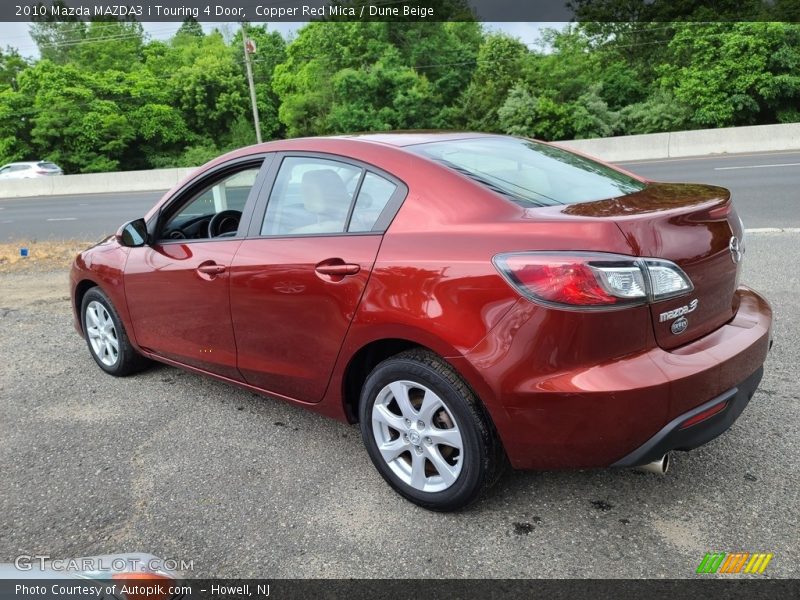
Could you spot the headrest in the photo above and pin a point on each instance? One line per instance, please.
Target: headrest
(330, 184)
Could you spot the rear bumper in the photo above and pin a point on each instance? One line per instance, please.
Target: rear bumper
(679, 435)
(557, 407)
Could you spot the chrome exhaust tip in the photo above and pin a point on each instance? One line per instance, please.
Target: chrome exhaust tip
(659, 467)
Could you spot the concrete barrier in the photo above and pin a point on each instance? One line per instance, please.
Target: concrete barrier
(701, 142)
(760, 138)
(653, 146)
(94, 183)
(629, 147)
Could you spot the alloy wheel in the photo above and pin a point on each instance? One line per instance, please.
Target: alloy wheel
(418, 436)
(102, 333)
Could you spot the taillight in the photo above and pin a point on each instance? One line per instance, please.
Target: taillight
(591, 279)
(666, 279)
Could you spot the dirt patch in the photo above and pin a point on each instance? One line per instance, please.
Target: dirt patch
(42, 256)
(30, 286)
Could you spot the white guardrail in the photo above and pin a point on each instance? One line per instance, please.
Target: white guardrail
(653, 146)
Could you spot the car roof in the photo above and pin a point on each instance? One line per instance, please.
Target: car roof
(397, 141)
(411, 138)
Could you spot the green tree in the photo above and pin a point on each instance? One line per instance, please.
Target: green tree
(103, 96)
(500, 63)
(56, 37)
(204, 80)
(74, 121)
(190, 27)
(735, 74)
(371, 75)
(528, 115)
(108, 45)
(15, 113)
(11, 65)
(660, 112)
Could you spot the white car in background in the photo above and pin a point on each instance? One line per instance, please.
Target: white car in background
(29, 170)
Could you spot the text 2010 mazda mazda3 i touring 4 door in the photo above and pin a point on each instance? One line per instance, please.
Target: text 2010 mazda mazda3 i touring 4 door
(471, 300)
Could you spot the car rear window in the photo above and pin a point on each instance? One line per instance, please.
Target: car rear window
(530, 173)
(47, 165)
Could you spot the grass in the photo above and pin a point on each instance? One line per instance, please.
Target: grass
(44, 255)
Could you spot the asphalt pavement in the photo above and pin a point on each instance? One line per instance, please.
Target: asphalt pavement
(187, 468)
(765, 187)
(84, 217)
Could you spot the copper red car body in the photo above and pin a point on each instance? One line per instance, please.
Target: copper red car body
(563, 388)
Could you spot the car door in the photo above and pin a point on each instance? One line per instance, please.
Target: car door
(177, 288)
(297, 279)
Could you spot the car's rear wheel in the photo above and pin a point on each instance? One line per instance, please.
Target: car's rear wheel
(427, 433)
(106, 336)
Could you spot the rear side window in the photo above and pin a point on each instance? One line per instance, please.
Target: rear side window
(531, 173)
(310, 196)
(375, 192)
(47, 165)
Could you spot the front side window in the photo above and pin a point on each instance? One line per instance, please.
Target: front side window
(531, 173)
(310, 196)
(213, 212)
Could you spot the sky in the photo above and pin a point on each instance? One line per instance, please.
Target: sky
(16, 34)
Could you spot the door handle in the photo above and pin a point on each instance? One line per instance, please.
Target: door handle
(340, 270)
(212, 269)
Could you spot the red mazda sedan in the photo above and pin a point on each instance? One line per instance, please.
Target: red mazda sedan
(471, 300)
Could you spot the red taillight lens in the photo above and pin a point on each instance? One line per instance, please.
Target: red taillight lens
(579, 279)
(565, 282)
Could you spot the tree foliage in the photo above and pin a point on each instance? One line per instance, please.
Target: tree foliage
(103, 96)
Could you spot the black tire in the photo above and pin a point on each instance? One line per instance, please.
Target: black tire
(127, 360)
(482, 455)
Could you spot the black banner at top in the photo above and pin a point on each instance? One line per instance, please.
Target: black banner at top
(260, 11)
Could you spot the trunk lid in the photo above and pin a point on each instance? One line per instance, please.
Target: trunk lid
(695, 227)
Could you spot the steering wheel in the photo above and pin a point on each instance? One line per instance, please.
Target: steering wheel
(224, 223)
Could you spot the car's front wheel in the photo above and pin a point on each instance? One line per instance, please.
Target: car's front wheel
(427, 433)
(106, 336)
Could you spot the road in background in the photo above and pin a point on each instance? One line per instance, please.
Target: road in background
(766, 190)
(765, 187)
(89, 216)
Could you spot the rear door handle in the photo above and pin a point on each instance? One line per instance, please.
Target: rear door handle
(340, 270)
(212, 269)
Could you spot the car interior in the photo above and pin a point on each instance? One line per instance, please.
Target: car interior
(310, 196)
(215, 212)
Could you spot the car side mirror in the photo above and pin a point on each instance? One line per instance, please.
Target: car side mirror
(132, 234)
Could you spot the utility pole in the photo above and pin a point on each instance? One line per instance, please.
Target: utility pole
(250, 48)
